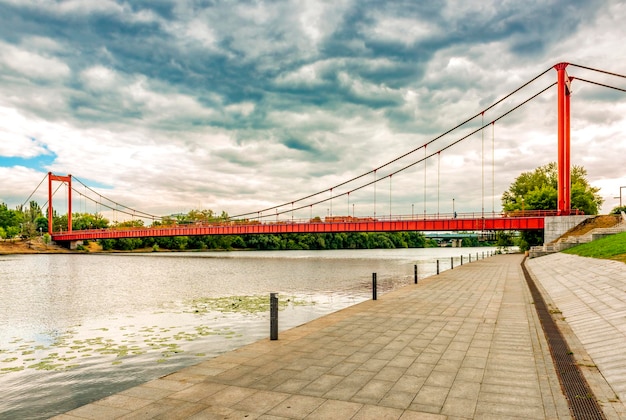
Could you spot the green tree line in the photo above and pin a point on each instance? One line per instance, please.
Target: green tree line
(27, 222)
(291, 241)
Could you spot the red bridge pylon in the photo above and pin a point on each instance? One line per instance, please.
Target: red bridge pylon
(564, 205)
(68, 179)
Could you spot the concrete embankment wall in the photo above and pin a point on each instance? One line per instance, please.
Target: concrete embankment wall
(556, 226)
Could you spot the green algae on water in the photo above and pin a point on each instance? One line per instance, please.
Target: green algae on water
(67, 349)
(242, 304)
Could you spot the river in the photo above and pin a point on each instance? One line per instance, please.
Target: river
(76, 328)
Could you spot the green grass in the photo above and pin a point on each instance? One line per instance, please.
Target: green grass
(610, 247)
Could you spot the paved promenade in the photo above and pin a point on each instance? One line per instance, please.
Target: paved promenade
(590, 295)
(464, 344)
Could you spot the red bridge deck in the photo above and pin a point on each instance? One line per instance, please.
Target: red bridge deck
(530, 222)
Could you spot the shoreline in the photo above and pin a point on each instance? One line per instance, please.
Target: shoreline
(29, 246)
(36, 246)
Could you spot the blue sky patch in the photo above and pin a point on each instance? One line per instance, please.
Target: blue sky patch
(38, 163)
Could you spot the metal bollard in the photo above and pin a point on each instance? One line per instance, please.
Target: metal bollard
(470, 257)
(437, 267)
(273, 316)
(451, 263)
(374, 286)
(415, 273)
(461, 259)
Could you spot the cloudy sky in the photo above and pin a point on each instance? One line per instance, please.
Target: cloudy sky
(236, 106)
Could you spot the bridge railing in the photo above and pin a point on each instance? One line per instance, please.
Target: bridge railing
(285, 219)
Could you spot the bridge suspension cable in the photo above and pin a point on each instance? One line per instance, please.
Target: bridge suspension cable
(598, 70)
(134, 211)
(258, 212)
(34, 191)
(427, 156)
(55, 191)
(422, 159)
(600, 84)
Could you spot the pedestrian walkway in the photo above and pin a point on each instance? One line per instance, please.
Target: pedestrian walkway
(590, 296)
(464, 344)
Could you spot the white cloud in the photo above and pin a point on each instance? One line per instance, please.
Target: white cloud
(403, 29)
(319, 19)
(305, 76)
(201, 32)
(26, 64)
(85, 7)
(100, 78)
(15, 138)
(163, 105)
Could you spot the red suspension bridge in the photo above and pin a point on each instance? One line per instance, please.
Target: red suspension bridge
(263, 222)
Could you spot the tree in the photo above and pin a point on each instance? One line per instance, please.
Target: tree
(82, 221)
(10, 218)
(537, 190)
(129, 223)
(618, 210)
(41, 224)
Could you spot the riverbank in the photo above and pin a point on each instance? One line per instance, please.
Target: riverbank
(36, 246)
(29, 246)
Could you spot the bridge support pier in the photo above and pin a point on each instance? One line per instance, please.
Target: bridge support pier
(74, 244)
(555, 226)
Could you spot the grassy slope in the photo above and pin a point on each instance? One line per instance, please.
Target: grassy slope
(611, 247)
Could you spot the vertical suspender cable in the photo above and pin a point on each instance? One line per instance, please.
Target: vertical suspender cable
(493, 168)
(438, 179)
(390, 196)
(482, 163)
(66, 197)
(331, 202)
(425, 161)
(375, 192)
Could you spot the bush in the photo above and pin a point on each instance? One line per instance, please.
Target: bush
(618, 210)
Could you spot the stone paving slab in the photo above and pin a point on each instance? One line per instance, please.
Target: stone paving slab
(590, 297)
(461, 345)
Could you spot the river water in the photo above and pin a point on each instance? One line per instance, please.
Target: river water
(76, 328)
